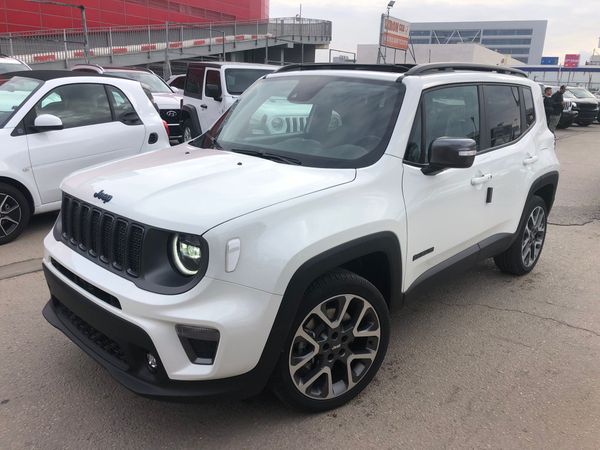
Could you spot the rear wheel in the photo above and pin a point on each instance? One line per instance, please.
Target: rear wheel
(339, 339)
(525, 252)
(14, 213)
(188, 131)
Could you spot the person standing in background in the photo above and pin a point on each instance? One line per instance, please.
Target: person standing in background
(557, 102)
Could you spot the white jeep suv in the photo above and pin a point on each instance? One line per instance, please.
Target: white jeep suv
(53, 123)
(243, 258)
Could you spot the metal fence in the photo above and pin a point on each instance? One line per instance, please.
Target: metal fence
(68, 44)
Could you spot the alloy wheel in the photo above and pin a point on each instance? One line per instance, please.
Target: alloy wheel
(533, 236)
(10, 214)
(187, 134)
(334, 347)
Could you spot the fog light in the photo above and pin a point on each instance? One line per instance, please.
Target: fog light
(152, 362)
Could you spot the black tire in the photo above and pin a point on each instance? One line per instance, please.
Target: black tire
(513, 261)
(188, 127)
(14, 207)
(367, 306)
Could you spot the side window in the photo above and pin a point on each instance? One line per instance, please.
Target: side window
(529, 107)
(451, 112)
(503, 114)
(77, 105)
(213, 78)
(179, 83)
(120, 102)
(194, 82)
(414, 151)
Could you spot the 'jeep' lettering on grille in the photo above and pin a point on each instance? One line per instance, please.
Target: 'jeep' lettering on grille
(103, 196)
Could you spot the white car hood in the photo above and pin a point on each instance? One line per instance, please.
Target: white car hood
(191, 190)
(167, 101)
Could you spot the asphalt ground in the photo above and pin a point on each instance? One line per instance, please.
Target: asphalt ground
(484, 360)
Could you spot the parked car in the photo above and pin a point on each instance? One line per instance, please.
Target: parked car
(166, 98)
(10, 64)
(585, 104)
(177, 81)
(53, 123)
(211, 88)
(569, 115)
(242, 258)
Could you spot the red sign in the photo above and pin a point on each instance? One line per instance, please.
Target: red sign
(572, 60)
(394, 33)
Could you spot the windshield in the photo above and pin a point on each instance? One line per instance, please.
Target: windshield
(12, 67)
(581, 93)
(13, 94)
(151, 80)
(567, 94)
(238, 80)
(316, 121)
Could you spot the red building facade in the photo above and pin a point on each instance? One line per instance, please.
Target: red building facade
(21, 15)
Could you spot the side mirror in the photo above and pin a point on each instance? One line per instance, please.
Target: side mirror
(447, 153)
(214, 91)
(47, 122)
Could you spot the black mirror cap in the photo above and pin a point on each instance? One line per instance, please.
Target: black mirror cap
(214, 91)
(451, 153)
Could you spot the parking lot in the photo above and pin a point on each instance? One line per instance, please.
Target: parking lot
(484, 360)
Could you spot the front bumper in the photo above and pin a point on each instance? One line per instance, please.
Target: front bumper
(120, 339)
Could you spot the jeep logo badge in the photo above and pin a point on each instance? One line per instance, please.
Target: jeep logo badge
(103, 196)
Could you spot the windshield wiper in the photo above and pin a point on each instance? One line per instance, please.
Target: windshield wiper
(269, 156)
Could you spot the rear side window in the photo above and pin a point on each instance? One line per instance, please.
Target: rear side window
(77, 105)
(213, 77)
(194, 82)
(120, 102)
(503, 114)
(178, 82)
(529, 107)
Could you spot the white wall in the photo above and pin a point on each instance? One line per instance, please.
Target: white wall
(425, 53)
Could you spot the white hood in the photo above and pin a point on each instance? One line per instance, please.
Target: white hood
(192, 190)
(167, 101)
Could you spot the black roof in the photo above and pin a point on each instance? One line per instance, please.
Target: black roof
(45, 75)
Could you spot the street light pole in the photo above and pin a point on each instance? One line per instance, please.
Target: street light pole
(86, 41)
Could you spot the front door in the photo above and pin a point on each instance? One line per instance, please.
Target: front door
(90, 136)
(211, 108)
(445, 211)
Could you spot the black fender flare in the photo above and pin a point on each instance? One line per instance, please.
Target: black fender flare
(384, 242)
(191, 111)
(548, 179)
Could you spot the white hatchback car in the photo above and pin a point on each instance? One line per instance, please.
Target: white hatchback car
(53, 123)
(245, 257)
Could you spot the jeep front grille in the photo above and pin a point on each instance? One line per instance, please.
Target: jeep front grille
(102, 236)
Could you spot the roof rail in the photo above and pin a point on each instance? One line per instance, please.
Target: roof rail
(426, 69)
(390, 68)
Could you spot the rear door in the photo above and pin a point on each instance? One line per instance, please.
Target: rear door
(194, 88)
(91, 134)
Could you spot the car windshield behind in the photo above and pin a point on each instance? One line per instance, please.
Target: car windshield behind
(13, 94)
(238, 80)
(12, 67)
(581, 93)
(150, 80)
(317, 121)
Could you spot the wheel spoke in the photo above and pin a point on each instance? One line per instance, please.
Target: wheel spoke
(3, 202)
(10, 220)
(8, 211)
(4, 232)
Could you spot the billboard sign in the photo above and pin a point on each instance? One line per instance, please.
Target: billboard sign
(571, 60)
(394, 33)
(549, 61)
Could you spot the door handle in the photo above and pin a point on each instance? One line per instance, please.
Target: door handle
(481, 180)
(530, 160)
(203, 106)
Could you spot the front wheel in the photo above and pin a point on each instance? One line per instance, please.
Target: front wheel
(14, 213)
(524, 253)
(338, 341)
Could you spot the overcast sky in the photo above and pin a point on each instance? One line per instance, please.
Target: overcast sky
(573, 26)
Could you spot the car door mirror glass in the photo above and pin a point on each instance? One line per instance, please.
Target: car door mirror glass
(47, 122)
(448, 152)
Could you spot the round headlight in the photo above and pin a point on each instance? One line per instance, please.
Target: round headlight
(277, 123)
(186, 250)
